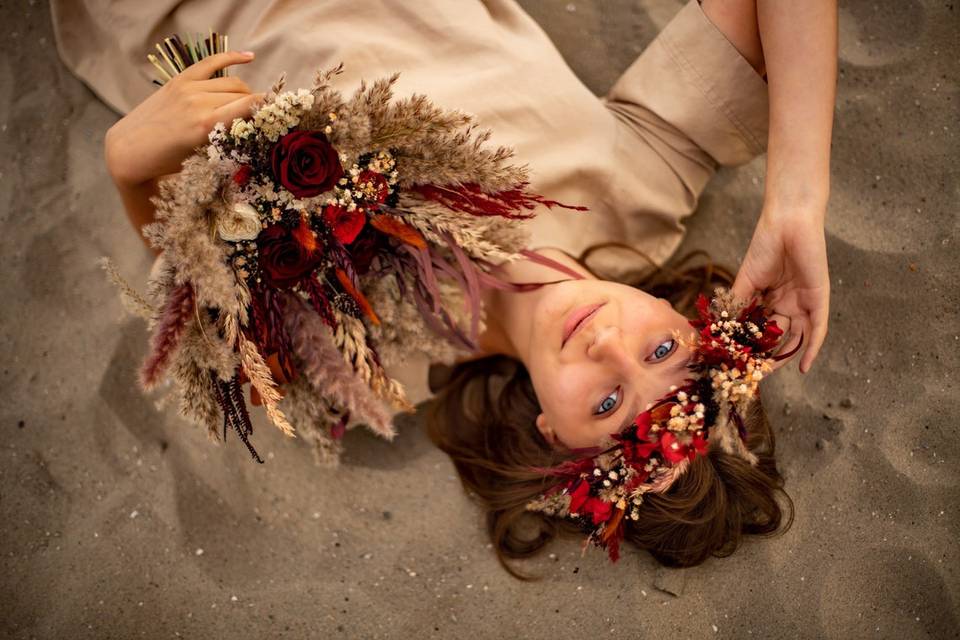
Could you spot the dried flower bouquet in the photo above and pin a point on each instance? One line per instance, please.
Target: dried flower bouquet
(317, 241)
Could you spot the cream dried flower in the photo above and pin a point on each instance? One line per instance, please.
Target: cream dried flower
(242, 128)
(240, 221)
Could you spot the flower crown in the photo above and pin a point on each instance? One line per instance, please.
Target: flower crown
(316, 242)
(606, 485)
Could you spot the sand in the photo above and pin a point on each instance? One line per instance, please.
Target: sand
(119, 521)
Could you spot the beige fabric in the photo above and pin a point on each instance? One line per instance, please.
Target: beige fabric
(638, 158)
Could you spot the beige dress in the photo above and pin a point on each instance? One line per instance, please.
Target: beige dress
(638, 157)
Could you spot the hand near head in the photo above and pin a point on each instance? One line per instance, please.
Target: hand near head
(786, 264)
(163, 130)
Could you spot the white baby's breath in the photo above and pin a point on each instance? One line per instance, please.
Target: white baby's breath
(281, 115)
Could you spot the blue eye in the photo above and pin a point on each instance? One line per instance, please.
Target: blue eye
(664, 349)
(608, 403)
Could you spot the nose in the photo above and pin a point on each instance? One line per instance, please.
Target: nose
(608, 348)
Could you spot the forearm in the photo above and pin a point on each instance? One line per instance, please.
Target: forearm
(799, 42)
(136, 202)
(135, 193)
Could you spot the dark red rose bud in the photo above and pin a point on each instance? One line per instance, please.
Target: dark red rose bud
(305, 163)
(345, 225)
(373, 186)
(242, 176)
(284, 261)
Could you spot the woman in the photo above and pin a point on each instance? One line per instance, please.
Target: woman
(590, 352)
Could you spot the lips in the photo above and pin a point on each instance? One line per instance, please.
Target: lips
(577, 319)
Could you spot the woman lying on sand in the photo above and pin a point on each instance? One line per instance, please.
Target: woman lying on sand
(561, 368)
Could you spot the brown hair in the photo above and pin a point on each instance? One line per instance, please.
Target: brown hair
(484, 416)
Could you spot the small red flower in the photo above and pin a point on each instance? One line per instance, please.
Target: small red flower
(635, 440)
(598, 509)
(345, 225)
(242, 175)
(699, 444)
(373, 186)
(673, 450)
(579, 496)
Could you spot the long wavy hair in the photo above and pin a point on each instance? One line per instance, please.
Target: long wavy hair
(483, 416)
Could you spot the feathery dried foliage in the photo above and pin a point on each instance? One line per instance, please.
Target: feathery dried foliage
(402, 332)
(487, 238)
(261, 379)
(202, 351)
(331, 377)
(131, 299)
(315, 419)
(350, 339)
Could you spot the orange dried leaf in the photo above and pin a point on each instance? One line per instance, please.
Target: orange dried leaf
(611, 527)
(360, 299)
(393, 226)
(305, 235)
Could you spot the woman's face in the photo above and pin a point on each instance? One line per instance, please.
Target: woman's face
(600, 353)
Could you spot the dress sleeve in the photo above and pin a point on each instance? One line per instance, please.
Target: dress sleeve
(693, 93)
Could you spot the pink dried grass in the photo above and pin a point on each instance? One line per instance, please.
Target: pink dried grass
(177, 311)
(328, 373)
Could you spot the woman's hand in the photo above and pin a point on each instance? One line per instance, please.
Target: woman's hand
(787, 263)
(787, 257)
(162, 131)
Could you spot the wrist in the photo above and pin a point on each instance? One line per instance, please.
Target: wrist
(806, 203)
(807, 190)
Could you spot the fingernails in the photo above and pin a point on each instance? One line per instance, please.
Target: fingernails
(247, 54)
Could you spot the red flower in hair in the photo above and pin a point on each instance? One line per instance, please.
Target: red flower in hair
(579, 496)
(345, 225)
(672, 449)
(599, 510)
(634, 439)
(583, 504)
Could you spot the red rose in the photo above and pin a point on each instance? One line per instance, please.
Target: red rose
(305, 163)
(345, 225)
(373, 186)
(284, 261)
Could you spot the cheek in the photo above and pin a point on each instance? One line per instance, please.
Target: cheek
(582, 435)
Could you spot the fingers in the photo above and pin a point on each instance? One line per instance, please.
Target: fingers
(743, 287)
(208, 66)
(239, 107)
(222, 85)
(818, 334)
(792, 330)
